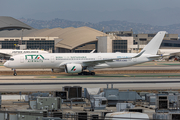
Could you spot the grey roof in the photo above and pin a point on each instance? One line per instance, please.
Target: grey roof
(11, 23)
(70, 37)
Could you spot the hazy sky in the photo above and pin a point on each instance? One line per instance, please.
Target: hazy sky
(50, 8)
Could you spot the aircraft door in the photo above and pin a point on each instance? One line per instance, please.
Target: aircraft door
(52, 59)
(22, 59)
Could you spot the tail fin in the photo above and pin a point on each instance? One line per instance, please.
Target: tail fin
(153, 46)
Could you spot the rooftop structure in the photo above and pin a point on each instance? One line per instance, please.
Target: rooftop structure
(9, 23)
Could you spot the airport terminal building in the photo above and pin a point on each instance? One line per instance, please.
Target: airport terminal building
(14, 34)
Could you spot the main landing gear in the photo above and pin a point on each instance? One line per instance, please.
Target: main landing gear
(86, 73)
(14, 72)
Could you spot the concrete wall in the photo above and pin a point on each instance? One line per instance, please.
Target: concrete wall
(13, 97)
(105, 43)
(109, 44)
(102, 44)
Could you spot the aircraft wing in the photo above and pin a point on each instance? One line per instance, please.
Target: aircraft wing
(92, 62)
(96, 62)
(175, 54)
(170, 54)
(4, 54)
(159, 56)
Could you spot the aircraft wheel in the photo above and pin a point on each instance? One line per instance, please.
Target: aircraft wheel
(79, 73)
(84, 73)
(92, 73)
(15, 74)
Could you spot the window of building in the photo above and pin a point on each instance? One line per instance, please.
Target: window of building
(151, 35)
(134, 42)
(173, 38)
(9, 44)
(31, 44)
(170, 43)
(176, 45)
(119, 46)
(167, 44)
(135, 35)
(142, 39)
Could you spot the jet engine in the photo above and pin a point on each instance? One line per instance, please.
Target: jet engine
(57, 70)
(73, 68)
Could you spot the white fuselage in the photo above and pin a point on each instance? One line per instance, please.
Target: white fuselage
(55, 60)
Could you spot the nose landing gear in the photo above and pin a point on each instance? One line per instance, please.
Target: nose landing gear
(14, 72)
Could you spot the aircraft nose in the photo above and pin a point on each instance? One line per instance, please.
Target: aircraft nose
(6, 64)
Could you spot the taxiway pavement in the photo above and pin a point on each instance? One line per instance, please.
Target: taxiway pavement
(55, 84)
(139, 81)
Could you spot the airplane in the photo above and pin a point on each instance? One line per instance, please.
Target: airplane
(169, 53)
(80, 62)
(7, 53)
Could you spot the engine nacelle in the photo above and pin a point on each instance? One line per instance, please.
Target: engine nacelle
(73, 68)
(57, 70)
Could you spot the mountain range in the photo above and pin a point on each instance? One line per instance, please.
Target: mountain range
(112, 25)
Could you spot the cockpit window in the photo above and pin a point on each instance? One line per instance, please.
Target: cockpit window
(11, 59)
